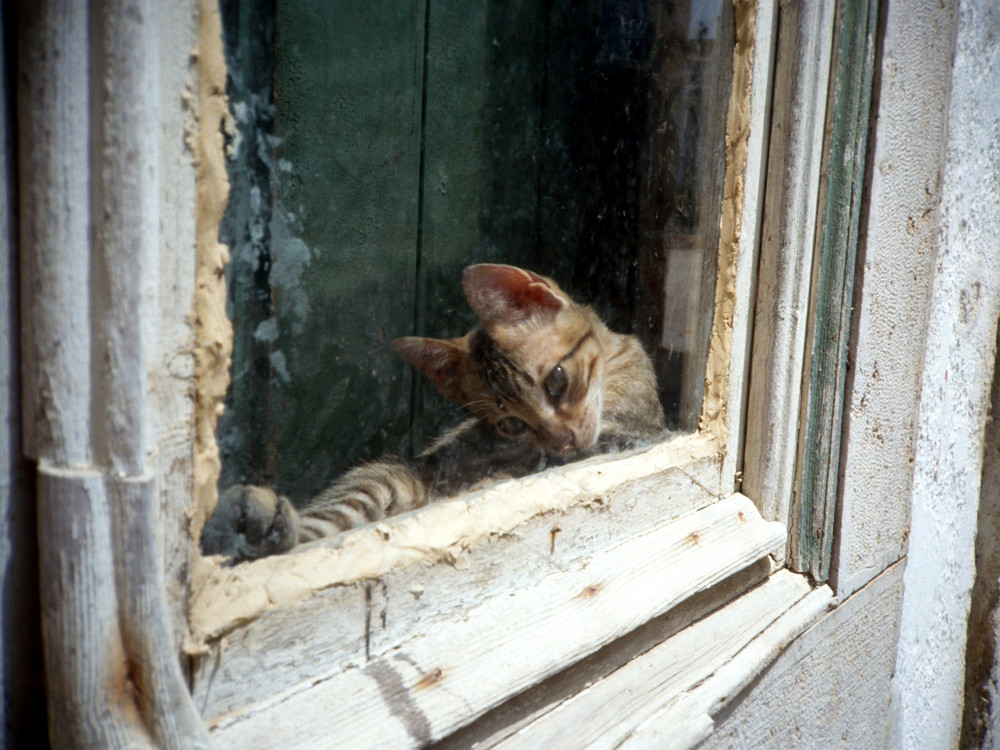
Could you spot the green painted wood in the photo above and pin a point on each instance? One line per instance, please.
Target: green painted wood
(346, 159)
(452, 172)
(813, 543)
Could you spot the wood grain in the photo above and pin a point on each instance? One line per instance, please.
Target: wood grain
(437, 680)
(607, 713)
(786, 257)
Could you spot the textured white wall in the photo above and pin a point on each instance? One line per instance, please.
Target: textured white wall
(830, 688)
(900, 240)
(955, 384)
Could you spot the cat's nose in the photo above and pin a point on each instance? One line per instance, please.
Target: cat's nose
(568, 443)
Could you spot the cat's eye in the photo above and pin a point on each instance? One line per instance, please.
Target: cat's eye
(512, 426)
(556, 383)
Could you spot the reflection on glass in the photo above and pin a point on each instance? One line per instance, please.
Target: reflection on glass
(380, 148)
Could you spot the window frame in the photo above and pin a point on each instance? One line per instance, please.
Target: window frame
(497, 535)
(119, 459)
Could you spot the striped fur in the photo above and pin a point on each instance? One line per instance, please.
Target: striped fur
(546, 383)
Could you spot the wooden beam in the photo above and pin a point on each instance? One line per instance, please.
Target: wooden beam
(812, 543)
(91, 242)
(785, 270)
(443, 677)
(610, 711)
(685, 720)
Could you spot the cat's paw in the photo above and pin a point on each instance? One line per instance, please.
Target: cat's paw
(250, 522)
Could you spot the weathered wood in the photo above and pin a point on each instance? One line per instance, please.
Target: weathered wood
(606, 714)
(122, 284)
(172, 398)
(124, 301)
(785, 270)
(747, 133)
(150, 653)
(345, 625)
(830, 687)
(89, 682)
(113, 675)
(704, 701)
(812, 543)
(227, 597)
(520, 711)
(54, 108)
(438, 680)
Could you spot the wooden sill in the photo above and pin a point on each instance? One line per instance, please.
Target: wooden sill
(422, 686)
(224, 599)
(667, 697)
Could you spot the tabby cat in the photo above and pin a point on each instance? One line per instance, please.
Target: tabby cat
(545, 380)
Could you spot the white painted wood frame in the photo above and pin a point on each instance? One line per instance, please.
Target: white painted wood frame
(96, 212)
(798, 128)
(412, 628)
(431, 619)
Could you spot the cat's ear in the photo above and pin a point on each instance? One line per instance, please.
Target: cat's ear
(505, 294)
(444, 362)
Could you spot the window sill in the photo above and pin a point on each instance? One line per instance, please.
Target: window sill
(639, 488)
(413, 679)
(668, 697)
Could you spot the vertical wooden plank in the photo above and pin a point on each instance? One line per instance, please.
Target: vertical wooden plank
(785, 270)
(343, 233)
(88, 688)
(453, 169)
(53, 106)
(151, 692)
(747, 131)
(812, 545)
(173, 398)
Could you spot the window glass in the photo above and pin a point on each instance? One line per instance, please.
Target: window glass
(379, 148)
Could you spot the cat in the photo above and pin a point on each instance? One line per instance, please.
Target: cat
(545, 380)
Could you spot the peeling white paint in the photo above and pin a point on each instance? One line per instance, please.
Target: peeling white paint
(955, 385)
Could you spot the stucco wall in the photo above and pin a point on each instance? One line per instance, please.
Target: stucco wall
(923, 355)
(955, 384)
(897, 260)
(831, 687)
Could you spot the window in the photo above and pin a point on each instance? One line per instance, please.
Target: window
(380, 149)
(408, 630)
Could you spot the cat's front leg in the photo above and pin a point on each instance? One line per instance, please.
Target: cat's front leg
(250, 522)
(364, 494)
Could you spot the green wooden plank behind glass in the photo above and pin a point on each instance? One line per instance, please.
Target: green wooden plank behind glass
(452, 171)
(812, 546)
(479, 192)
(348, 81)
(410, 139)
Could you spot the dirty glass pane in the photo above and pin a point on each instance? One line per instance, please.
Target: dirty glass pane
(378, 148)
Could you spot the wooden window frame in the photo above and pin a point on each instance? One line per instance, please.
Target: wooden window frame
(635, 548)
(410, 615)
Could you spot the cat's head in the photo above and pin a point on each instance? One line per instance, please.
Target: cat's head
(534, 370)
